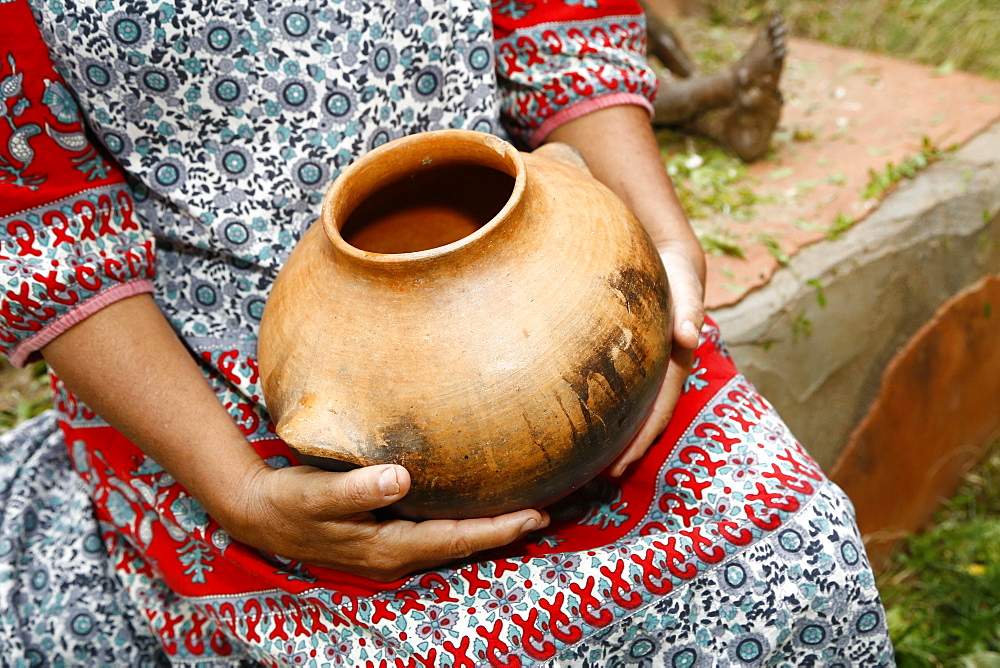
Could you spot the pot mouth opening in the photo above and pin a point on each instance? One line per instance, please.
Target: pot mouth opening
(423, 195)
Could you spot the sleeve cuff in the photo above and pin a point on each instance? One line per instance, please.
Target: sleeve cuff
(585, 107)
(25, 350)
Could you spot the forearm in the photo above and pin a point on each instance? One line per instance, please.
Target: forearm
(621, 151)
(126, 363)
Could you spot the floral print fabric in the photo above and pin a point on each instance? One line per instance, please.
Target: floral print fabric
(727, 546)
(60, 600)
(213, 131)
(70, 240)
(557, 64)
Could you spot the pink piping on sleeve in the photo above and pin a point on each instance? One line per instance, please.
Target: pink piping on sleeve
(88, 308)
(586, 107)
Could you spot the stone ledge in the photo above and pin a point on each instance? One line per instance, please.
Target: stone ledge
(822, 365)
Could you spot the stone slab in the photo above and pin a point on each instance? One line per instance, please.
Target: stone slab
(935, 414)
(817, 338)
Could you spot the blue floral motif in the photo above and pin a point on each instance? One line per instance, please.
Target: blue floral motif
(60, 102)
(437, 625)
(18, 145)
(515, 9)
(561, 569)
(119, 509)
(694, 380)
(190, 516)
(502, 601)
(195, 557)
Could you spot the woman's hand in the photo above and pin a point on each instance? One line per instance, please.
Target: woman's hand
(687, 316)
(621, 151)
(325, 519)
(126, 363)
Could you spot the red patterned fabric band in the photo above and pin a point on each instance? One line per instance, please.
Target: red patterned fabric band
(556, 63)
(70, 243)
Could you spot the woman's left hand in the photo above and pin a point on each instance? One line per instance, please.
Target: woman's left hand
(687, 317)
(621, 151)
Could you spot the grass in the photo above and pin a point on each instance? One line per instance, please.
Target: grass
(947, 34)
(24, 393)
(941, 589)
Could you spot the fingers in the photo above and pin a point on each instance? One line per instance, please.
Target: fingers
(329, 495)
(687, 296)
(688, 308)
(324, 519)
(311, 494)
(656, 422)
(405, 547)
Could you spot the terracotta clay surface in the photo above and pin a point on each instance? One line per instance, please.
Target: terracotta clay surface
(936, 411)
(498, 324)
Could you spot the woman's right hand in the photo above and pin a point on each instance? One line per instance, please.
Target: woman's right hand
(126, 363)
(326, 519)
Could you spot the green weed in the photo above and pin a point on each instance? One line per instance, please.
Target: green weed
(880, 182)
(708, 181)
(820, 294)
(802, 327)
(774, 248)
(941, 589)
(721, 242)
(840, 224)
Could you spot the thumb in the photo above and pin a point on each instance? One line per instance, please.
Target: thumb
(686, 275)
(359, 490)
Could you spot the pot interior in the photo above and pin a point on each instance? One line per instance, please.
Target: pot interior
(428, 208)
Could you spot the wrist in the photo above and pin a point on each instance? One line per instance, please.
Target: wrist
(684, 247)
(222, 477)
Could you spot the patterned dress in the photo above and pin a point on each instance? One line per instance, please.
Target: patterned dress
(181, 148)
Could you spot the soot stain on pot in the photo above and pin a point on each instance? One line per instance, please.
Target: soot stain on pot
(636, 287)
(633, 350)
(405, 440)
(596, 429)
(537, 438)
(601, 362)
(572, 423)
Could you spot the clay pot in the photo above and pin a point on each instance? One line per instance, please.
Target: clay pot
(496, 322)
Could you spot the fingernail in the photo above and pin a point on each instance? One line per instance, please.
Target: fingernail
(529, 526)
(388, 483)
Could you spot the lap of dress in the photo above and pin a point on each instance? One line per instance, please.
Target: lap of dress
(726, 545)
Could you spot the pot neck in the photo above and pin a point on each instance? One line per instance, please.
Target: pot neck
(459, 185)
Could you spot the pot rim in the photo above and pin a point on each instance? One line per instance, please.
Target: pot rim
(389, 162)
